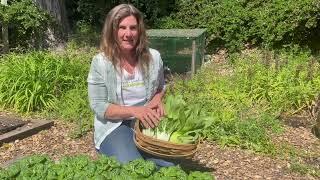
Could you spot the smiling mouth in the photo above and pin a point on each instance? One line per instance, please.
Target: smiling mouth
(128, 41)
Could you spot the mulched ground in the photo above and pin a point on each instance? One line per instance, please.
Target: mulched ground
(224, 163)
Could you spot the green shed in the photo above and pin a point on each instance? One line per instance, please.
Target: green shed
(182, 50)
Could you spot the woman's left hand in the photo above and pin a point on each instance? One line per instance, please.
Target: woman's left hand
(157, 105)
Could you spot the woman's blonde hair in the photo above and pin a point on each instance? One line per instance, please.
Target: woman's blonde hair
(109, 43)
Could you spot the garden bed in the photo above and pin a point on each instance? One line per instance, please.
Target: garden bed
(9, 124)
(225, 163)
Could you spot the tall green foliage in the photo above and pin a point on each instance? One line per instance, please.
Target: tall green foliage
(34, 81)
(244, 101)
(234, 23)
(288, 83)
(94, 12)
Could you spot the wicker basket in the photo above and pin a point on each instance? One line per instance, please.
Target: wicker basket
(162, 148)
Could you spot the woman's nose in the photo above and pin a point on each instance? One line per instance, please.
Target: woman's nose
(128, 32)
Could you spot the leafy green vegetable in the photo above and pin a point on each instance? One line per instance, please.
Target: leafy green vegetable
(82, 167)
(173, 172)
(140, 168)
(182, 123)
(200, 175)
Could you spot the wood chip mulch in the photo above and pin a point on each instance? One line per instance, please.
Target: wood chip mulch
(225, 163)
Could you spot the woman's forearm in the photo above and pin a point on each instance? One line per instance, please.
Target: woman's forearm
(146, 115)
(119, 112)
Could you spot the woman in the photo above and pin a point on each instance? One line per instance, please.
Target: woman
(125, 83)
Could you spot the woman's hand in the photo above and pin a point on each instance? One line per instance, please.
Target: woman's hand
(157, 105)
(146, 115)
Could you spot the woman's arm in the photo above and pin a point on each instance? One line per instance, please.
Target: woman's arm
(156, 102)
(146, 115)
(97, 91)
(103, 109)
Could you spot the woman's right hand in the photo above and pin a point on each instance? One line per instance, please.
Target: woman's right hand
(146, 115)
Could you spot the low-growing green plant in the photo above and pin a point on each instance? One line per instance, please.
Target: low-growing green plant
(305, 169)
(82, 167)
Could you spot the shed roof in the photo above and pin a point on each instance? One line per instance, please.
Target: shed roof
(188, 33)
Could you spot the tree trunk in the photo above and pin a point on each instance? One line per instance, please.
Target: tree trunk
(58, 10)
(4, 33)
(56, 36)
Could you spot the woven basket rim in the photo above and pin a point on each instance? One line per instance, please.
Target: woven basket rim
(189, 155)
(190, 149)
(138, 131)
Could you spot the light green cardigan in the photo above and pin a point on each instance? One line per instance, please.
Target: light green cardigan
(102, 90)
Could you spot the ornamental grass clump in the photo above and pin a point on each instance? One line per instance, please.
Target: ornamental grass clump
(34, 81)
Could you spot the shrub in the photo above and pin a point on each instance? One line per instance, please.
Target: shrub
(27, 23)
(233, 23)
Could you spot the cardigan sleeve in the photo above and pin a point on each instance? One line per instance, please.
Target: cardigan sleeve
(97, 91)
(161, 75)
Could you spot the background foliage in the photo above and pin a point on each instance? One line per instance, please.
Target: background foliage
(233, 23)
(27, 23)
(94, 12)
(245, 97)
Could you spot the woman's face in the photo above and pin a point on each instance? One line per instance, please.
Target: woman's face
(128, 33)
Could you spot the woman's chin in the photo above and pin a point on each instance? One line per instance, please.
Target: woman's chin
(127, 48)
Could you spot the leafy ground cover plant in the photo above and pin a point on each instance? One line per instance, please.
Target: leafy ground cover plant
(82, 167)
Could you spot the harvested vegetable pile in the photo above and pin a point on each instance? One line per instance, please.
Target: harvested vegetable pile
(182, 123)
(82, 167)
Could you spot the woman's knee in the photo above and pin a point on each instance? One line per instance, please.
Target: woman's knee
(120, 145)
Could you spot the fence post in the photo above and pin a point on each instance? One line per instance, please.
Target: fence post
(5, 38)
